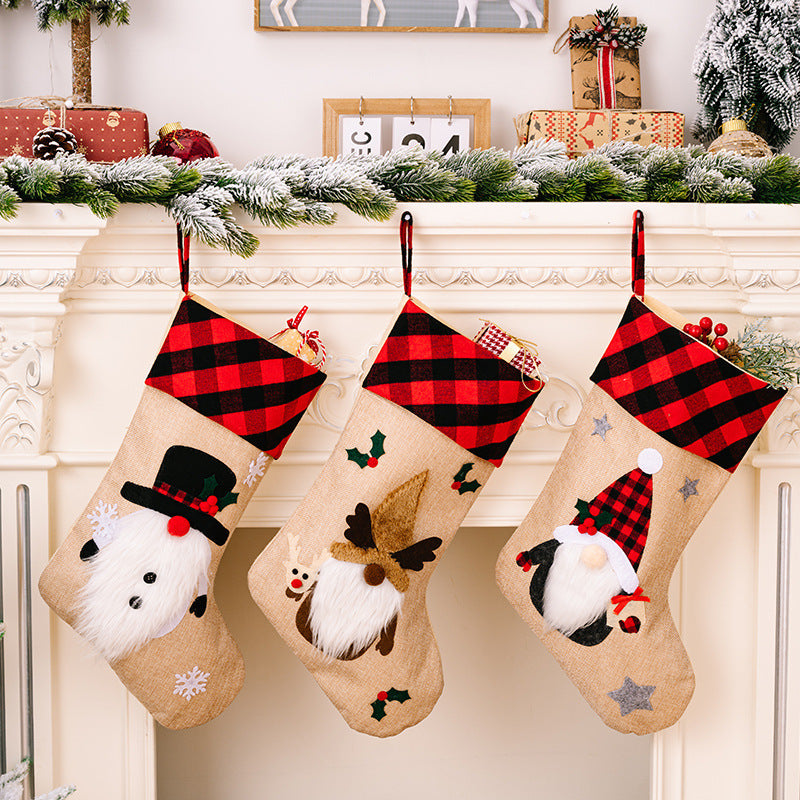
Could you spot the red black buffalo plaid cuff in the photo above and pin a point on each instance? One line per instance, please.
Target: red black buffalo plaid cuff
(682, 390)
(452, 383)
(234, 377)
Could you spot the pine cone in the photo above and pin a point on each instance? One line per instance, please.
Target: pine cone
(731, 352)
(51, 141)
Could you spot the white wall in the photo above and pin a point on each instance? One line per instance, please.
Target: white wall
(201, 62)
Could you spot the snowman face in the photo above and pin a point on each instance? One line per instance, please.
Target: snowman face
(140, 584)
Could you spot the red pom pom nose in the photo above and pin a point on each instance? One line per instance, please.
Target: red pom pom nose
(297, 583)
(178, 526)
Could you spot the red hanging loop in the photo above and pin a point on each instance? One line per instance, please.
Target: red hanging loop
(183, 260)
(406, 248)
(637, 254)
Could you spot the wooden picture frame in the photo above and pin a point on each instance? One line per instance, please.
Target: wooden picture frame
(477, 109)
(410, 16)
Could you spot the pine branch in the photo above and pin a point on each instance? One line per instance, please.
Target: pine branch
(58, 12)
(772, 357)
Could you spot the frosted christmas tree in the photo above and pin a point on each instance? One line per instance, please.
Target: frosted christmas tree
(747, 65)
(79, 14)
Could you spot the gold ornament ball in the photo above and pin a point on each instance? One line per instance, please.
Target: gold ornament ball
(736, 138)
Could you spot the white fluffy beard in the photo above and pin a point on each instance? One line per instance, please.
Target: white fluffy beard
(140, 545)
(347, 614)
(576, 595)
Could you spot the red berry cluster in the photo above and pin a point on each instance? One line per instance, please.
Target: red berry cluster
(210, 505)
(702, 333)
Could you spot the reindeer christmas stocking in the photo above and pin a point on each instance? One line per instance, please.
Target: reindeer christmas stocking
(667, 422)
(344, 581)
(135, 575)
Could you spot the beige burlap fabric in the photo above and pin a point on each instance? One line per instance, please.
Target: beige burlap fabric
(392, 684)
(655, 656)
(199, 648)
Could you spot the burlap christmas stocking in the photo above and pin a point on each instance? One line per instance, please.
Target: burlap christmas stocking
(667, 422)
(135, 575)
(344, 580)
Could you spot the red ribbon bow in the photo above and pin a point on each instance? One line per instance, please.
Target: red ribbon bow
(622, 600)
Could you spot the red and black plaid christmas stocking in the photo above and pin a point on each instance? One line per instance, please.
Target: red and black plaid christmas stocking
(135, 575)
(344, 581)
(668, 421)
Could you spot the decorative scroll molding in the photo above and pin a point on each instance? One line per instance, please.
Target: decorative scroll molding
(441, 277)
(26, 380)
(558, 406)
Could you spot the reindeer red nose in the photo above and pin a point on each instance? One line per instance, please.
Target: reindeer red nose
(297, 584)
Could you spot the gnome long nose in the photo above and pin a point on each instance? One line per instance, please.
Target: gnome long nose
(594, 556)
(374, 574)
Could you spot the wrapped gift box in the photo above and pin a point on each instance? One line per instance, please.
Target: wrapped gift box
(103, 134)
(585, 80)
(583, 130)
(518, 353)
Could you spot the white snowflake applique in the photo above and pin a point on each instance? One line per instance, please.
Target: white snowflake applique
(191, 683)
(103, 519)
(258, 466)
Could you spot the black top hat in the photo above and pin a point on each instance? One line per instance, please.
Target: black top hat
(185, 479)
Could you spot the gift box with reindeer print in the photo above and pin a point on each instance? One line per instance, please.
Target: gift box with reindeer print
(582, 131)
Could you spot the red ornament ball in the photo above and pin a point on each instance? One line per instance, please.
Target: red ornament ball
(721, 343)
(614, 44)
(706, 324)
(720, 329)
(178, 526)
(183, 143)
(599, 28)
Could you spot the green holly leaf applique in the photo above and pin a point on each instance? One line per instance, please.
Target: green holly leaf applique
(401, 695)
(377, 439)
(378, 709)
(368, 459)
(209, 487)
(230, 499)
(353, 454)
(461, 485)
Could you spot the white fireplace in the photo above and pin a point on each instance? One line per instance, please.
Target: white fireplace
(84, 304)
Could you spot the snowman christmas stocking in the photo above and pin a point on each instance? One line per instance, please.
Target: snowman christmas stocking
(135, 575)
(344, 581)
(667, 422)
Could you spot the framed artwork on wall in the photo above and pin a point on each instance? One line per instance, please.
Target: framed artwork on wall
(371, 126)
(471, 16)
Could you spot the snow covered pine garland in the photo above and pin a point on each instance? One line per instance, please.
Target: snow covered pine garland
(289, 190)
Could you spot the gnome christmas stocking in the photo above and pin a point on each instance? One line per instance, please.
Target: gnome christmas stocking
(666, 423)
(135, 575)
(344, 581)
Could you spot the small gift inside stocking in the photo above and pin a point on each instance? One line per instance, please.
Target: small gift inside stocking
(344, 581)
(667, 422)
(135, 575)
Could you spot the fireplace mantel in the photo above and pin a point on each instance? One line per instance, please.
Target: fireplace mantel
(84, 303)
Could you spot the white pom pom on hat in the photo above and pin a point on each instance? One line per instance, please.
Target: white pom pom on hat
(650, 461)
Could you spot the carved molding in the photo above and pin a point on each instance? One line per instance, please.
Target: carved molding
(26, 381)
(439, 277)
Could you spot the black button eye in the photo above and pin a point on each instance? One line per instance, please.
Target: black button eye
(305, 576)
(294, 572)
(149, 577)
(135, 602)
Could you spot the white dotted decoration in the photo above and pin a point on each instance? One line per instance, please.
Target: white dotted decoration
(650, 461)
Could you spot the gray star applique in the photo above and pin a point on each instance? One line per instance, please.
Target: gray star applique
(632, 697)
(601, 427)
(689, 488)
